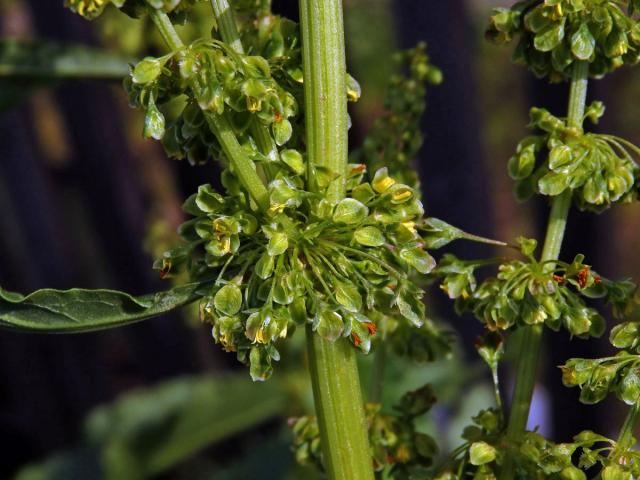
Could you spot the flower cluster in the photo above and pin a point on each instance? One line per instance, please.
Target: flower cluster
(90, 9)
(554, 460)
(480, 452)
(397, 447)
(482, 456)
(216, 81)
(305, 260)
(598, 377)
(529, 293)
(554, 34)
(598, 168)
(396, 136)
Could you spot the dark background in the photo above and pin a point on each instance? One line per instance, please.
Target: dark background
(79, 192)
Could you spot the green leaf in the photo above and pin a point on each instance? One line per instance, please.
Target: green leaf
(147, 70)
(481, 453)
(629, 388)
(522, 164)
(409, 309)
(154, 122)
(228, 300)
(278, 244)
(293, 160)
(552, 184)
(264, 267)
(572, 473)
(582, 43)
(625, 335)
(350, 211)
(559, 157)
(369, 237)
(208, 200)
(329, 325)
(615, 472)
(282, 131)
(348, 296)
(79, 310)
(418, 259)
(549, 37)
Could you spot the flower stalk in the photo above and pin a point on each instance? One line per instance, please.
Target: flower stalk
(242, 165)
(226, 24)
(532, 335)
(333, 367)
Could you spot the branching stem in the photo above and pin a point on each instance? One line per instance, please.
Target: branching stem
(532, 336)
(241, 163)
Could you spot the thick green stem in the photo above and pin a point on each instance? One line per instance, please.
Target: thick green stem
(242, 165)
(333, 367)
(529, 351)
(338, 399)
(325, 96)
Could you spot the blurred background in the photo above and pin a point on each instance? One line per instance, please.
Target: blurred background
(85, 201)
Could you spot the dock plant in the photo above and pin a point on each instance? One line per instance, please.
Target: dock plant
(298, 234)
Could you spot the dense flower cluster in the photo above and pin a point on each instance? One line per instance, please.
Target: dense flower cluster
(555, 34)
(598, 168)
(90, 9)
(306, 260)
(598, 377)
(530, 293)
(536, 457)
(215, 80)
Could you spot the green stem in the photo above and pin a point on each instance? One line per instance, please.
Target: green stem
(325, 96)
(332, 365)
(531, 339)
(226, 22)
(242, 165)
(626, 433)
(338, 399)
(165, 27)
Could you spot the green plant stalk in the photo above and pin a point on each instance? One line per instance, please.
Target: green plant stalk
(339, 408)
(629, 425)
(332, 365)
(242, 165)
(226, 24)
(324, 64)
(531, 339)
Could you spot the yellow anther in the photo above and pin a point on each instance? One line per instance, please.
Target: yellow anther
(402, 195)
(383, 184)
(411, 226)
(260, 337)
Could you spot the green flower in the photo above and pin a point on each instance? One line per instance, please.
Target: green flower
(554, 34)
